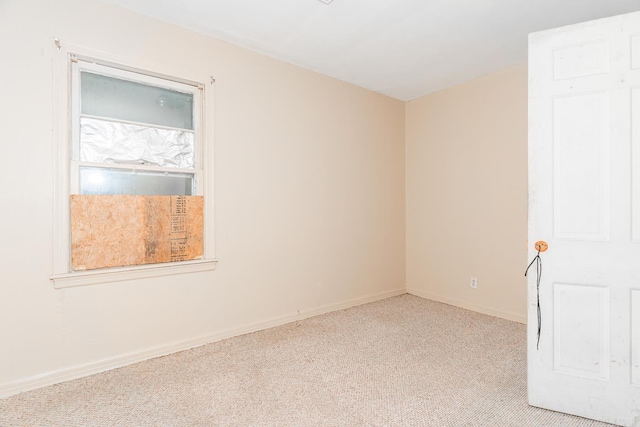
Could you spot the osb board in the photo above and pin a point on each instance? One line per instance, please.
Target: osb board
(119, 230)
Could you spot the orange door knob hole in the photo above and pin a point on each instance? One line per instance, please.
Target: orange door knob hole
(541, 246)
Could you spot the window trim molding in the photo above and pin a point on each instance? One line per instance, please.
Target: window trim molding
(119, 274)
(63, 276)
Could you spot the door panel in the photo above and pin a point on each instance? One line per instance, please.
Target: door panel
(635, 341)
(581, 166)
(581, 60)
(635, 51)
(635, 156)
(584, 200)
(581, 331)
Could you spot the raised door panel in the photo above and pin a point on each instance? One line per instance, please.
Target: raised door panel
(581, 60)
(635, 337)
(635, 163)
(581, 179)
(635, 51)
(581, 331)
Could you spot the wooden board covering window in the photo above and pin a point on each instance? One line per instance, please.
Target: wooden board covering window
(119, 230)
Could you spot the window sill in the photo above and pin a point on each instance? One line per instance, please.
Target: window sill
(94, 277)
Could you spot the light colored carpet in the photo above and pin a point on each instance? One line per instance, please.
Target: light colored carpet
(403, 361)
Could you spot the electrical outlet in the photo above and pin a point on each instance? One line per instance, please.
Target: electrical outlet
(474, 283)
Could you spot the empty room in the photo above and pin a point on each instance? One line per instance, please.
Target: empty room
(320, 213)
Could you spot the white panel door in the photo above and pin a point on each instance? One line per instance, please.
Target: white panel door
(584, 201)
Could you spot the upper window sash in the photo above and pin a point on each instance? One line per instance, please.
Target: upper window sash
(79, 65)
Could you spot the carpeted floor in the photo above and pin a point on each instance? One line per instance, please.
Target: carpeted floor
(403, 361)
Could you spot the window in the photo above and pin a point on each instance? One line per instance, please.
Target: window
(133, 133)
(125, 130)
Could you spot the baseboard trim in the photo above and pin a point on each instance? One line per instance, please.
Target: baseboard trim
(473, 307)
(107, 364)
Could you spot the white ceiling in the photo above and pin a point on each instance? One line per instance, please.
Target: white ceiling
(401, 48)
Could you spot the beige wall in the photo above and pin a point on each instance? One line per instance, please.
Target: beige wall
(309, 199)
(466, 190)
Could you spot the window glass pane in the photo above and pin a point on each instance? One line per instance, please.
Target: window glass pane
(118, 181)
(115, 98)
(113, 142)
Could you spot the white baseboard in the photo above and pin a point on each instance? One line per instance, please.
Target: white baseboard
(473, 307)
(74, 372)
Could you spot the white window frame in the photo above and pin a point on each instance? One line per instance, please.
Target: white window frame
(64, 165)
(79, 64)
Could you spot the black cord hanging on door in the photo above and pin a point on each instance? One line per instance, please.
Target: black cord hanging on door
(541, 247)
